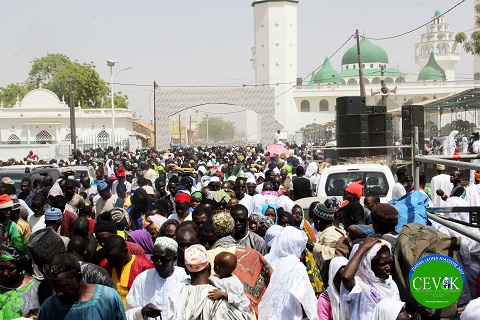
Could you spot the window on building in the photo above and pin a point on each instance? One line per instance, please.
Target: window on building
(103, 135)
(13, 139)
(43, 137)
(305, 106)
(371, 65)
(400, 79)
(68, 136)
(352, 81)
(354, 66)
(388, 80)
(346, 67)
(376, 80)
(323, 105)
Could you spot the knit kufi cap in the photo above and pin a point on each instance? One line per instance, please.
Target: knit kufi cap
(355, 187)
(196, 258)
(5, 201)
(102, 185)
(324, 212)
(223, 224)
(7, 180)
(167, 243)
(53, 214)
(384, 213)
(42, 243)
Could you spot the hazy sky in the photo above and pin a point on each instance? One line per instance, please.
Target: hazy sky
(204, 42)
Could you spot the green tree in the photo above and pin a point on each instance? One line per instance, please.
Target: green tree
(473, 45)
(121, 101)
(53, 72)
(218, 129)
(9, 94)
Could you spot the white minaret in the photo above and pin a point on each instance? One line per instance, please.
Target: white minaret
(476, 58)
(441, 41)
(275, 54)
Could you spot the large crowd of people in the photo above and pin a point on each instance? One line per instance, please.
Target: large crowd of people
(210, 233)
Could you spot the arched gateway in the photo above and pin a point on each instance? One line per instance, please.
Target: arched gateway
(169, 101)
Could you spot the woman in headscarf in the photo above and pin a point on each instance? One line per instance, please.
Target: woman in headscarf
(389, 309)
(196, 199)
(18, 291)
(366, 279)
(267, 196)
(308, 259)
(264, 223)
(269, 210)
(143, 239)
(169, 229)
(289, 293)
(329, 303)
(271, 234)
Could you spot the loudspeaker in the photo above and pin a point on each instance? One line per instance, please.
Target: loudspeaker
(380, 122)
(352, 123)
(353, 140)
(413, 116)
(350, 105)
(380, 139)
(375, 109)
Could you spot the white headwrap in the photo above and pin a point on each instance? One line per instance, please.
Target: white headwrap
(338, 311)
(375, 288)
(387, 309)
(271, 234)
(472, 311)
(289, 290)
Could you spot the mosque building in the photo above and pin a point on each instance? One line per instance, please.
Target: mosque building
(298, 104)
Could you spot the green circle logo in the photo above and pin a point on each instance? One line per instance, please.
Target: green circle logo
(436, 281)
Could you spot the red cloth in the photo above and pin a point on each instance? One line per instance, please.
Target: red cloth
(133, 248)
(91, 225)
(68, 218)
(139, 265)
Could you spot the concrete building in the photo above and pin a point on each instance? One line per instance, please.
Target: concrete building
(300, 104)
(41, 122)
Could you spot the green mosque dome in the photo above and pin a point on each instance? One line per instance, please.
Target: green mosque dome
(326, 74)
(432, 71)
(371, 53)
(438, 13)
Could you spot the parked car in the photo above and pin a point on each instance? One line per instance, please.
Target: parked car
(376, 178)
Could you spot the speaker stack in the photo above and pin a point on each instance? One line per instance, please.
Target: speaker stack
(413, 116)
(359, 125)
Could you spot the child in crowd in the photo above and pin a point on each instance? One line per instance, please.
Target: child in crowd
(230, 287)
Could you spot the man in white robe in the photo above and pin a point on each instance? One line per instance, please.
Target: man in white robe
(440, 181)
(147, 298)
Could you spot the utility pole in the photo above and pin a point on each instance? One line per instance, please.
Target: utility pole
(360, 66)
(179, 129)
(382, 81)
(191, 135)
(73, 130)
(154, 116)
(207, 128)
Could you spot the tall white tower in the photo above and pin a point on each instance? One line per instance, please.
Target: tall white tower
(275, 54)
(441, 41)
(476, 58)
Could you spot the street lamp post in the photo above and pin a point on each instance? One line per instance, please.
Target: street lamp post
(207, 128)
(111, 64)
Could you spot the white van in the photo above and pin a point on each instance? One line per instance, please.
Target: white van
(376, 178)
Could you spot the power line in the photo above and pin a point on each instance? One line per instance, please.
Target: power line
(313, 72)
(423, 25)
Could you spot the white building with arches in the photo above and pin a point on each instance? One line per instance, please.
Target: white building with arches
(41, 122)
(298, 104)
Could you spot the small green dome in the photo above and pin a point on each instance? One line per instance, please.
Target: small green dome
(371, 53)
(432, 71)
(326, 74)
(438, 13)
